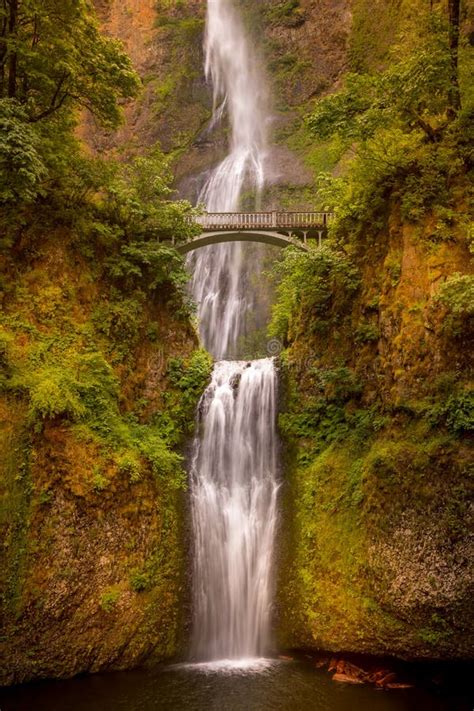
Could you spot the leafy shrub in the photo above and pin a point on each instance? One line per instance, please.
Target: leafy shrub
(22, 169)
(55, 391)
(109, 599)
(367, 333)
(398, 124)
(457, 296)
(99, 481)
(139, 580)
(188, 378)
(129, 463)
(287, 13)
(319, 283)
(337, 384)
(456, 412)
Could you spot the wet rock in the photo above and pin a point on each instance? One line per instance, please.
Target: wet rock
(399, 686)
(355, 672)
(376, 676)
(234, 382)
(345, 679)
(321, 663)
(387, 679)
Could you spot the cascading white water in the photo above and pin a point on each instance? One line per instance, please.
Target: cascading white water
(218, 284)
(234, 464)
(234, 494)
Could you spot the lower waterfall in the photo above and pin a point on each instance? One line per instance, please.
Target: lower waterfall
(234, 509)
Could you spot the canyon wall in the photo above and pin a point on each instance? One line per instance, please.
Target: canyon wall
(373, 550)
(100, 383)
(376, 509)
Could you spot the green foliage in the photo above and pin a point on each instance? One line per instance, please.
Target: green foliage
(457, 297)
(393, 266)
(287, 13)
(367, 333)
(372, 33)
(327, 411)
(318, 284)
(188, 379)
(119, 320)
(129, 463)
(138, 199)
(287, 66)
(136, 210)
(150, 263)
(456, 412)
(109, 599)
(404, 139)
(81, 387)
(21, 166)
(184, 29)
(139, 580)
(427, 184)
(56, 58)
(55, 391)
(412, 90)
(99, 481)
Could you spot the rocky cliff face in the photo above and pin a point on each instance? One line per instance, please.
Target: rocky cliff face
(91, 484)
(378, 559)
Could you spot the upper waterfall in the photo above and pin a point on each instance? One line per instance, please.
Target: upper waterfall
(239, 89)
(219, 281)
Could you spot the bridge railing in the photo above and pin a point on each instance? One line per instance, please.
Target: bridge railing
(264, 220)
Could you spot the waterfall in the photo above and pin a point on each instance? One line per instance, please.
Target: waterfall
(234, 495)
(233, 477)
(219, 284)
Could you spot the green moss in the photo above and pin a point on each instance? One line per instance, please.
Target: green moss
(343, 499)
(109, 599)
(373, 30)
(354, 473)
(367, 333)
(99, 481)
(456, 294)
(287, 13)
(16, 493)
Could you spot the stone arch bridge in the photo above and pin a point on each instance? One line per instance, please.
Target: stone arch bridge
(276, 228)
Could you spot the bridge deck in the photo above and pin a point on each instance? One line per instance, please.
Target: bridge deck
(215, 221)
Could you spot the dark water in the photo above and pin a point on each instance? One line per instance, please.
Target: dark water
(277, 686)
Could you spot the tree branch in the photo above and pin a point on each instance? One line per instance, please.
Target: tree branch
(454, 95)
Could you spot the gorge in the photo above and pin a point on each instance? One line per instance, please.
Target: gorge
(237, 472)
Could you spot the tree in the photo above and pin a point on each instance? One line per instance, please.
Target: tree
(419, 89)
(21, 166)
(454, 97)
(53, 56)
(412, 93)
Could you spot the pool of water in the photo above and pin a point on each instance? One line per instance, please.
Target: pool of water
(255, 685)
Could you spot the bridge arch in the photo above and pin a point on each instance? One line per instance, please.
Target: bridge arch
(264, 237)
